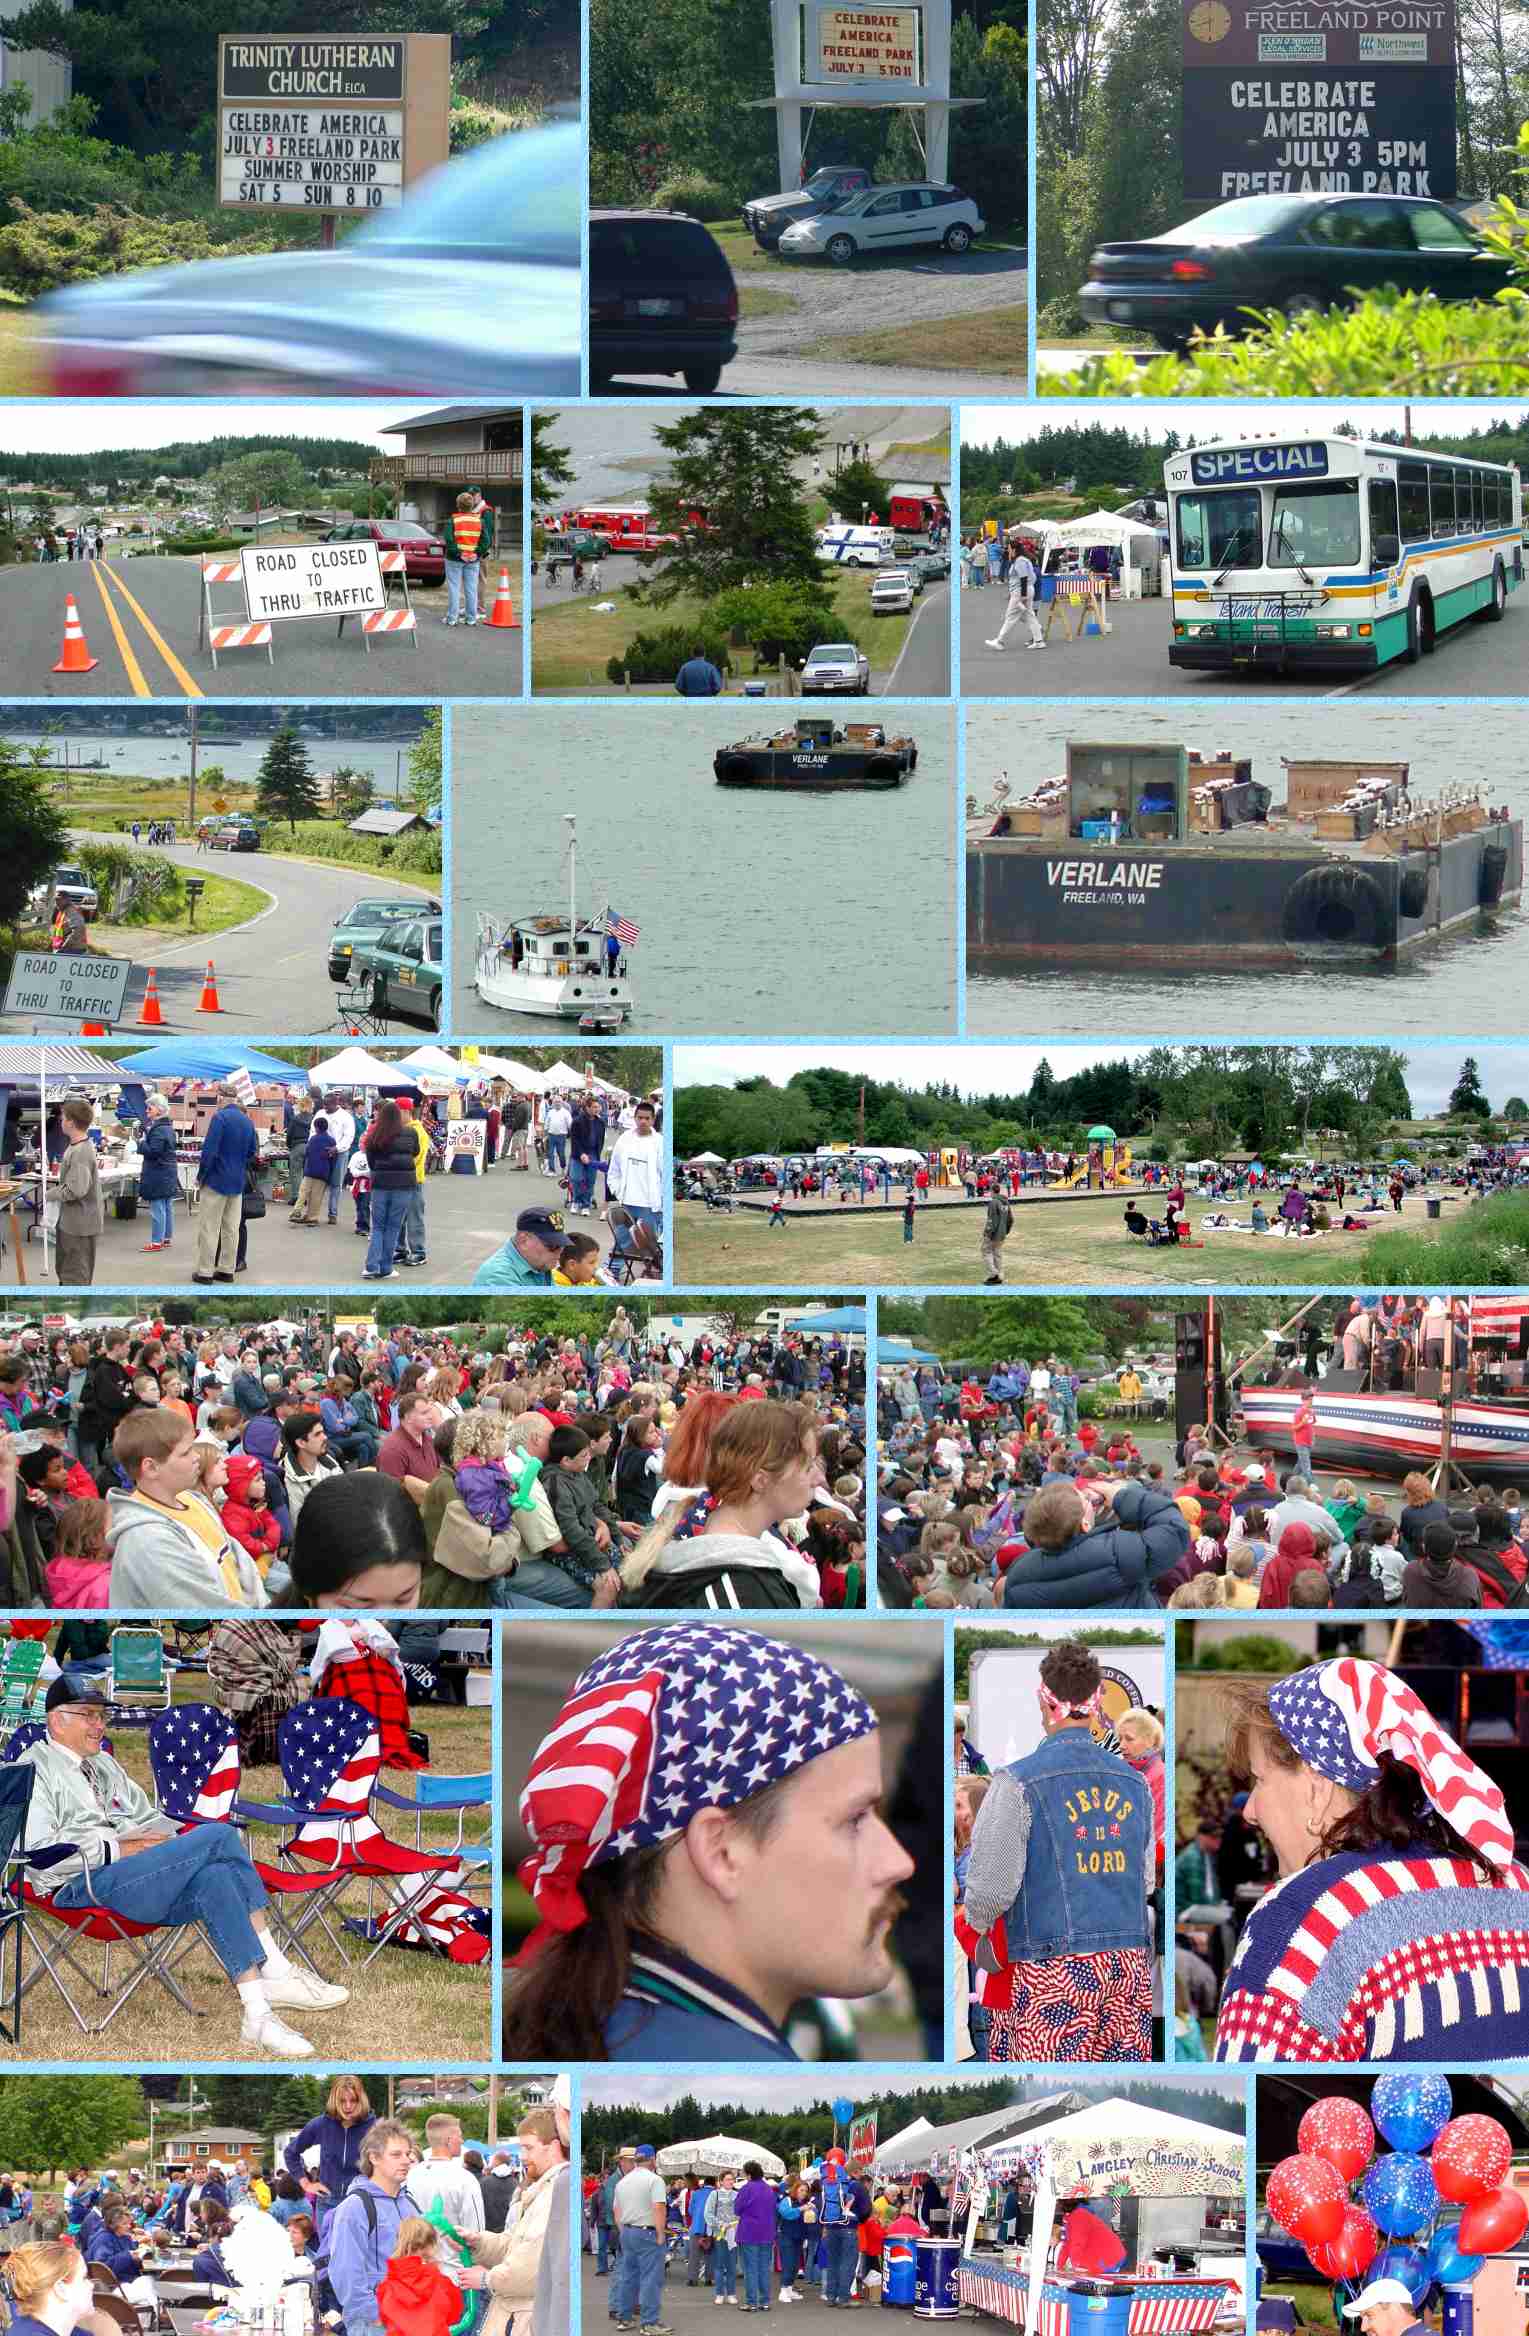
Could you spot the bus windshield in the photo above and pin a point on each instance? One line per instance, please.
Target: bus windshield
(1221, 528)
(1315, 525)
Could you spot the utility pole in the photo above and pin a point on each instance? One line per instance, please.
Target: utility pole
(192, 718)
(493, 2111)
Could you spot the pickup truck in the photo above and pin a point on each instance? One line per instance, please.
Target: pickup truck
(402, 967)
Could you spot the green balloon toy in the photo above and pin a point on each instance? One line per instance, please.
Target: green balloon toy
(436, 2213)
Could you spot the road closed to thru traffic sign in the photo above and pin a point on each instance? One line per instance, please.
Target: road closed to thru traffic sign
(78, 988)
(312, 579)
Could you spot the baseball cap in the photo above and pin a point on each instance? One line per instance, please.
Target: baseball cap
(645, 2149)
(63, 1691)
(542, 1224)
(1379, 2291)
(1253, 1475)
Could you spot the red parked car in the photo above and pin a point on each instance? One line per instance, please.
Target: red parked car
(424, 554)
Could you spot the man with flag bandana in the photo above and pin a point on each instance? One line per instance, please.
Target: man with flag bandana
(706, 1784)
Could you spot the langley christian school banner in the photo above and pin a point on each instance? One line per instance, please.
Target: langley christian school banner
(1311, 96)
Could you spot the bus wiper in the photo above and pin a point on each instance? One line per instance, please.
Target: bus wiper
(1285, 545)
(1232, 550)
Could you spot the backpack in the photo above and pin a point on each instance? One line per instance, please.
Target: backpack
(325, 2299)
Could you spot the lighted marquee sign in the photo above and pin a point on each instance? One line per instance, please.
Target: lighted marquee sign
(864, 44)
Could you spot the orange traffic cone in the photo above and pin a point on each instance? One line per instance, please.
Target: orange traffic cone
(74, 657)
(208, 1002)
(150, 1016)
(503, 614)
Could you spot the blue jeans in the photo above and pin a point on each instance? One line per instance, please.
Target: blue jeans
(582, 1175)
(557, 1155)
(793, 2239)
(724, 2269)
(202, 1876)
(460, 573)
(389, 1210)
(337, 1182)
(641, 1216)
(639, 2276)
(603, 2246)
(843, 2243)
(161, 1218)
(756, 2255)
(414, 1225)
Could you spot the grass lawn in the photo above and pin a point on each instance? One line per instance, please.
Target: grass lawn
(753, 302)
(938, 444)
(1065, 1244)
(408, 2007)
(1313, 2305)
(225, 902)
(981, 340)
(21, 373)
(570, 642)
(118, 799)
(1096, 336)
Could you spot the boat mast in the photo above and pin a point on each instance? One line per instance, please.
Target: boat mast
(572, 825)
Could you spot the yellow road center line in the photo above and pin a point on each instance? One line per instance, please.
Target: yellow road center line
(159, 641)
(134, 669)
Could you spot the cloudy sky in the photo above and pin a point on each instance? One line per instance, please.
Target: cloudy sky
(982, 1070)
(57, 426)
(981, 425)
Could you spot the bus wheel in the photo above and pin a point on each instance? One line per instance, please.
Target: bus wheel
(1496, 607)
(1414, 648)
(1427, 627)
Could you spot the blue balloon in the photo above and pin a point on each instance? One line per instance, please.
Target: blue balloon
(1406, 2264)
(843, 2111)
(1400, 2192)
(1448, 2265)
(1410, 2109)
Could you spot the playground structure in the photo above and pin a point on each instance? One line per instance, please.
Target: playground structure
(1108, 1163)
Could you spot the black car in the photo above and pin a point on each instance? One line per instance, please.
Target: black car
(768, 216)
(661, 299)
(1297, 253)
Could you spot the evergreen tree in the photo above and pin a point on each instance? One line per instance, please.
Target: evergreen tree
(736, 465)
(425, 763)
(550, 467)
(285, 786)
(1467, 1097)
(857, 490)
(34, 835)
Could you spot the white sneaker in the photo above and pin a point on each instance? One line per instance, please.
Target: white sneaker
(297, 1990)
(787, 2295)
(992, 644)
(1035, 644)
(269, 2034)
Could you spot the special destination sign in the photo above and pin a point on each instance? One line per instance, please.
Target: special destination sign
(1318, 96)
(344, 158)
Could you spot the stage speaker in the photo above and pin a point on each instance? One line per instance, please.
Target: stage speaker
(1197, 1363)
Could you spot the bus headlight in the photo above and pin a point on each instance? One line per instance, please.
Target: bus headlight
(1333, 632)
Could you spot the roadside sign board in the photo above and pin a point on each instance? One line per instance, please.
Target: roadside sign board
(862, 2142)
(283, 581)
(78, 988)
(329, 123)
(855, 43)
(1295, 97)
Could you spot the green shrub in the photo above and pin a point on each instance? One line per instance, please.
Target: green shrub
(614, 181)
(658, 656)
(326, 839)
(41, 250)
(1059, 318)
(777, 620)
(1485, 1247)
(693, 191)
(205, 543)
(474, 124)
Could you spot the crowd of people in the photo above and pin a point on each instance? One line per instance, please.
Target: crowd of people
(379, 2229)
(290, 1466)
(752, 2240)
(1062, 1846)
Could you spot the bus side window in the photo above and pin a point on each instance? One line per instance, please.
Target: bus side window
(1441, 497)
(1385, 530)
(1417, 525)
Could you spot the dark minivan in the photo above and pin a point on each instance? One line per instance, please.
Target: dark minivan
(661, 299)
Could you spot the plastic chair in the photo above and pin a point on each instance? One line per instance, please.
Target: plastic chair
(15, 1801)
(137, 1667)
(21, 1662)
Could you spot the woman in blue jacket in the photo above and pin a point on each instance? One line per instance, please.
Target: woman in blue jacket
(338, 2133)
(1115, 1561)
(114, 2247)
(158, 1179)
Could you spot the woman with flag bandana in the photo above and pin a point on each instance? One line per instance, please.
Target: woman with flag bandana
(652, 1826)
(1399, 1927)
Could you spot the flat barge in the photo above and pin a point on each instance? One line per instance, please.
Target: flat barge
(1153, 855)
(818, 756)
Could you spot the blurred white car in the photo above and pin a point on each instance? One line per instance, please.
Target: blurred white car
(886, 219)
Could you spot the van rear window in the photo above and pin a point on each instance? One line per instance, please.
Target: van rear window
(653, 246)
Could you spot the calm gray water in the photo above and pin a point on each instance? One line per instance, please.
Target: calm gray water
(170, 758)
(1473, 987)
(761, 915)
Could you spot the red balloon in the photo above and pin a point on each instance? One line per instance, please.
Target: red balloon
(1351, 2253)
(1489, 2225)
(1339, 2131)
(1306, 2197)
(1470, 2159)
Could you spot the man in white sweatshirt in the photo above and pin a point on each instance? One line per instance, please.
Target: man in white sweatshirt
(634, 1172)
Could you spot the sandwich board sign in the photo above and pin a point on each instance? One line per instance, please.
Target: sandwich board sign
(329, 123)
(77, 988)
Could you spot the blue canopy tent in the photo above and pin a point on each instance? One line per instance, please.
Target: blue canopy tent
(897, 1350)
(851, 1318)
(193, 1058)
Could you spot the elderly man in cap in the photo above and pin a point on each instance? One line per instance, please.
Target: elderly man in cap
(127, 1857)
(640, 2211)
(527, 1259)
(1385, 2308)
(228, 1148)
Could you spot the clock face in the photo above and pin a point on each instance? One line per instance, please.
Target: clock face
(1210, 21)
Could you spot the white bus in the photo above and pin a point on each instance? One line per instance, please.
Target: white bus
(1333, 554)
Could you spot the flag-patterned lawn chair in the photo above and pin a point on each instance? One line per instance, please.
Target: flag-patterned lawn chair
(194, 1760)
(151, 1950)
(330, 1753)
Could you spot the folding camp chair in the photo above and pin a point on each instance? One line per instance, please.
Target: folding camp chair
(21, 1662)
(330, 1754)
(15, 1800)
(151, 1950)
(194, 1761)
(32, 1732)
(137, 1668)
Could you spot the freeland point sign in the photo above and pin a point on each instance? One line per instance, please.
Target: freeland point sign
(329, 124)
(1318, 96)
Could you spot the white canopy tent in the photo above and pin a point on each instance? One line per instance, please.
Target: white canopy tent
(719, 2154)
(433, 1062)
(564, 1075)
(518, 1075)
(705, 1160)
(1140, 547)
(354, 1067)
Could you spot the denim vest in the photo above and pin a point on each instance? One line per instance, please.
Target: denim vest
(1085, 1885)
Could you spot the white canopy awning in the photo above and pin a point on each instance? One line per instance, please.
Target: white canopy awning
(521, 1075)
(1119, 2146)
(719, 2154)
(564, 1075)
(354, 1067)
(433, 1062)
(705, 1160)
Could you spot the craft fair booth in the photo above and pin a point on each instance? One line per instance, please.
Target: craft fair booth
(1140, 548)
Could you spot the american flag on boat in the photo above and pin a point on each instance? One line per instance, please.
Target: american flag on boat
(623, 928)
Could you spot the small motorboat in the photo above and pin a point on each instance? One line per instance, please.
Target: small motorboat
(560, 965)
(818, 754)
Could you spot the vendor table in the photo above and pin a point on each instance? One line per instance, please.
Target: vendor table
(1159, 2307)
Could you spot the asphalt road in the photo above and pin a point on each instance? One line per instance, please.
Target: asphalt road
(923, 665)
(1470, 661)
(788, 377)
(140, 620)
(271, 972)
